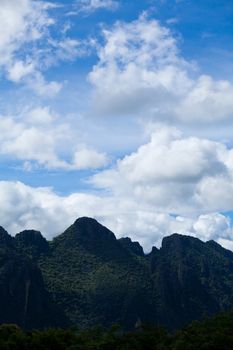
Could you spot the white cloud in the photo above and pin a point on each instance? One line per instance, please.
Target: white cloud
(41, 208)
(40, 86)
(93, 5)
(27, 207)
(149, 228)
(20, 69)
(141, 72)
(88, 158)
(171, 184)
(24, 207)
(22, 22)
(69, 49)
(39, 115)
(35, 143)
(213, 226)
(27, 47)
(174, 174)
(38, 137)
(208, 101)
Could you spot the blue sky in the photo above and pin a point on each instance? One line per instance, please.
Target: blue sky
(119, 110)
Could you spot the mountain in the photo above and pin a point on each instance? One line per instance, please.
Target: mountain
(87, 277)
(23, 297)
(192, 278)
(32, 243)
(94, 278)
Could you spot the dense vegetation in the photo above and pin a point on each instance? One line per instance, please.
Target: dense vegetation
(87, 277)
(23, 297)
(96, 279)
(210, 334)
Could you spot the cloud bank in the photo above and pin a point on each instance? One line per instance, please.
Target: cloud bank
(157, 190)
(175, 181)
(40, 138)
(141, 72)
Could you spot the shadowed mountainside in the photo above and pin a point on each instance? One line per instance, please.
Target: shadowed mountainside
(23, 297)
(92, 278)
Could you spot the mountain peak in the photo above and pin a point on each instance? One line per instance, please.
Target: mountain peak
(3, 232)
(85, 220)
(30, 235)
(87, 233)
(87, 228)
(95, 278)
(5, 237)
(33, 242)
(177, 239)
(133, 247)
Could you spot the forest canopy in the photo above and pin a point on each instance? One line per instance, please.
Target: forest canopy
(209, 334)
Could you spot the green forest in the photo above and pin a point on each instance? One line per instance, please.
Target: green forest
(214, 333)
(86, 277)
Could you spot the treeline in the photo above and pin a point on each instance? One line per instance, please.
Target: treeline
(210, 334)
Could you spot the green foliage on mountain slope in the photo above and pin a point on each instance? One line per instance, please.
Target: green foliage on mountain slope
(95, 279)
(87, 277)
(23, 297)
(193, 279)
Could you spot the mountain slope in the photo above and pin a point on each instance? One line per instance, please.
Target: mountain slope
(96, 279)
(192, 279)
(23, 298)
(106, 283)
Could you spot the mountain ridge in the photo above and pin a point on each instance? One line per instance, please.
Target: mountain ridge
(94, 278)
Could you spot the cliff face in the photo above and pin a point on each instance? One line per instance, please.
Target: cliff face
(192, 279)
(23, 297)
(87, 277)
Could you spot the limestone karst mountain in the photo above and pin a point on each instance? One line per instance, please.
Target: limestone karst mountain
(87, 277)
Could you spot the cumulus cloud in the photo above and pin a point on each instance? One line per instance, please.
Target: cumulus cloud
(27, 207)
(141, 72)
(24, 23)
(23, 138)
(149, 228)
(24, 207)
(20, 69)
(208, 101)
(38, 137)
(212, 226)
(88, 158)
(27, 46)
(174, 174)
(41, 208)
(170, 184)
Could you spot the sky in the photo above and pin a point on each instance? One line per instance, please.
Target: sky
(120, 110)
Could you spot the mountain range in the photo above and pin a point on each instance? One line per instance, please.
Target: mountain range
(86, 277)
